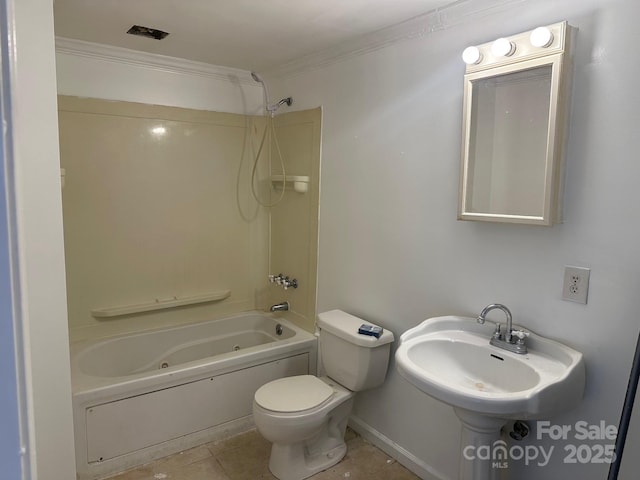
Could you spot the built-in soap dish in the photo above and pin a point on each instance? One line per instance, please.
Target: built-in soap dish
(300, 182)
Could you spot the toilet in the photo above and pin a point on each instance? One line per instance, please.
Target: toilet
(305, 417)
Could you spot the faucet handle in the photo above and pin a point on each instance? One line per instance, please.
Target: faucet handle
(521, 334)
(289, 283)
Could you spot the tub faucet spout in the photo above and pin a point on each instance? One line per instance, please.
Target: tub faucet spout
(280, 307)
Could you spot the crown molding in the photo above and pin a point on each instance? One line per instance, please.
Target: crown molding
(125, 56)
(415, 28)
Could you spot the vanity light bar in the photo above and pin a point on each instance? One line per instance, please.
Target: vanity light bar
(536, 43)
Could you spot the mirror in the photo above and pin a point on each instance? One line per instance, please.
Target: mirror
(512, 129)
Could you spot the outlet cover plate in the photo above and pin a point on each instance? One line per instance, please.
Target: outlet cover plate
(575, 287)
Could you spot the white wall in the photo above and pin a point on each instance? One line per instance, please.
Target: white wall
(40, 246)
(392, 251)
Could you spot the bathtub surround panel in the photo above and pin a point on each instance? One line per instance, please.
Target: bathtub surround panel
(294, 221)
(174, 388)
(156, 206)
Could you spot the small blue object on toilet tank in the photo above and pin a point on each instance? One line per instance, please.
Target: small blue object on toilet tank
(371, 330)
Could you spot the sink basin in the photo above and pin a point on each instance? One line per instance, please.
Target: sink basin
(450, 359)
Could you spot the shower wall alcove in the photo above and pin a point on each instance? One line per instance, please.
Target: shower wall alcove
(158, 207)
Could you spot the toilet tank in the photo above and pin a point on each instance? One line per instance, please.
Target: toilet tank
(355, 361)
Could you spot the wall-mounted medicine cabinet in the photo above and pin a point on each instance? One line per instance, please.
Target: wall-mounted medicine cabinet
(513, 127)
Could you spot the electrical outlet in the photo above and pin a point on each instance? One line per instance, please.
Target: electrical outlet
(576, 284)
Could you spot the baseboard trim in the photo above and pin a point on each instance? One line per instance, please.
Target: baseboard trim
(391, 448)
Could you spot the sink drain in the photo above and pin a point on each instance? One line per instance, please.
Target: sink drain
(236, 348)
(164, 365)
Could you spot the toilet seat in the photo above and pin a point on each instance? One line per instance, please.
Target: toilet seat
(293, 394)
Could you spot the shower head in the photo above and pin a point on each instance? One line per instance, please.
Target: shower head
(265, 90)
(271, 109)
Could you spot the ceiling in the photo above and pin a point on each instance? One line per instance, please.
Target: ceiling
(247, 34)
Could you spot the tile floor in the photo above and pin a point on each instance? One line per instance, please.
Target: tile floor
(246, 456)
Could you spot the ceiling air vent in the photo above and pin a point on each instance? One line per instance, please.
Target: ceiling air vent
(147, 32)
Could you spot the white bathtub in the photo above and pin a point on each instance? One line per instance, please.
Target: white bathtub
(142, 396)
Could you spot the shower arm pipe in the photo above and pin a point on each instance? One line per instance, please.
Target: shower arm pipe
(272, 108)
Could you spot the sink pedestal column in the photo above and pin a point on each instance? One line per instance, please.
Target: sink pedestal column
(483, 456)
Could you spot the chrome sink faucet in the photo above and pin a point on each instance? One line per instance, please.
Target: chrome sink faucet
(512, 340)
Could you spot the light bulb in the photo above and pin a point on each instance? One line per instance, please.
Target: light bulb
(541, 37)
(502, 47)
(471, 55)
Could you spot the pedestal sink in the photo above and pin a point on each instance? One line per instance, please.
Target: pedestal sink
(450, 359)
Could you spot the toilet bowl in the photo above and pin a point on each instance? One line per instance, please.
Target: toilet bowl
(305, 417)
(307, 431)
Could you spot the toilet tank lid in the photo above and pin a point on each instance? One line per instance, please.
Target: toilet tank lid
(345, 326)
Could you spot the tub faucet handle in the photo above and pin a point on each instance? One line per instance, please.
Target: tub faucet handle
(289, 283)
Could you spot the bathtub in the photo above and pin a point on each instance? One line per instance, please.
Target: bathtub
(142, 396)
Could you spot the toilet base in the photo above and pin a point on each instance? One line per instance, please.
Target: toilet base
(293, 462)
(296, 461)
